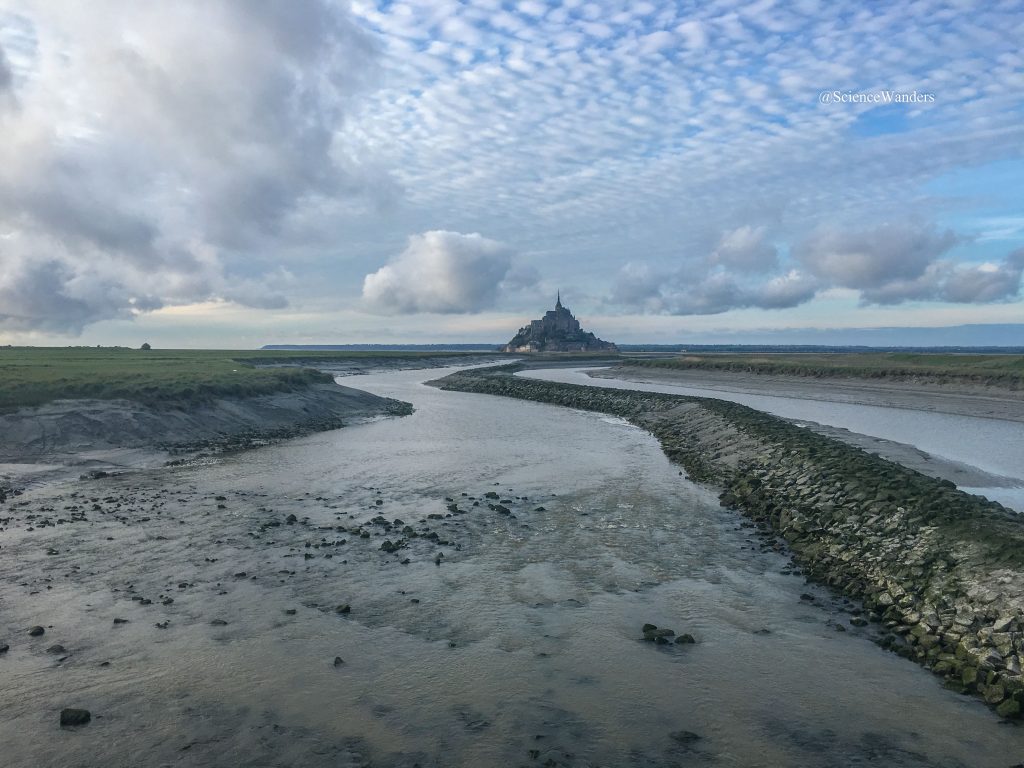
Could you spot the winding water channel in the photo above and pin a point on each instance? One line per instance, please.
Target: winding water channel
(519, 646)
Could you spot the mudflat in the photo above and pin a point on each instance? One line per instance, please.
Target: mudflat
(960, 397)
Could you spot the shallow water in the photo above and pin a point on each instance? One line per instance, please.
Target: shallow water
(522, 648)
(992, 445)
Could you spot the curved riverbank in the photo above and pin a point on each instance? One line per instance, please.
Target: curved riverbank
(939, 569)
(64, 430)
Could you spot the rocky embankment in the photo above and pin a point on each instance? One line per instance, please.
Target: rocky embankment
(65, 429)
(940, 571)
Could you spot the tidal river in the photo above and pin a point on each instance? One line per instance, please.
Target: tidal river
(993, 446)
(512, 636)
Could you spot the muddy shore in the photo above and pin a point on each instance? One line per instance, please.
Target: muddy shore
(61, 431)
(939, 570)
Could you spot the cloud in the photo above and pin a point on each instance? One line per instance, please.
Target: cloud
(157, 153)
(746, 249)
(442, 272)
(686, 291)
(870, 259)
(893, 264)
(6, 77)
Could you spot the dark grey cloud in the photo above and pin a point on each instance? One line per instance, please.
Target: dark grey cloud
(159, 150)
(35, 296)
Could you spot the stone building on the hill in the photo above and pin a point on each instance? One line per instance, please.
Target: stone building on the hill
(557, 331)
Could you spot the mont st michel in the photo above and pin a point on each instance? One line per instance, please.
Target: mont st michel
(557, 331)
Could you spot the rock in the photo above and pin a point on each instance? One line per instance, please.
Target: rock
(36, 631)
(72, 717)
(219, 623)
(345, 608)
(338, 661)
(858, 621)
(649, 627)
(120, 621)
(290, 611)
(1010, 708)
(57, 648)
(684, 737)
(4, 647)
(994, 694)
(291, 519)
(685, 639)
(1003, 624)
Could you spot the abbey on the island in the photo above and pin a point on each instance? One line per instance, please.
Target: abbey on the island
(557, 331)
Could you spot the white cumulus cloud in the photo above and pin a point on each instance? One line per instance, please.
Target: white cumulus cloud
(442, 272)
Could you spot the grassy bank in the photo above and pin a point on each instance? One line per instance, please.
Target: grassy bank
(1006, 371)
(31, 376)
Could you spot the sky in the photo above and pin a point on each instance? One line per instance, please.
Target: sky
(232, 173)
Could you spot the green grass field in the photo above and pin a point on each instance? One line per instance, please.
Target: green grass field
(36, 375)
(992, 370)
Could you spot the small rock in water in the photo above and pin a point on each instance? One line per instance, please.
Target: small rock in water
(4, 647)
(685, 639)
(290, 611)
(57, 648)
(346, 608)
(73, 716)
(338, 661)
(684, 737)
(219, 623)
(36, 631)
(120, 621)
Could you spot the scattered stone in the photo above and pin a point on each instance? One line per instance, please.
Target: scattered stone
(685, 639)
(219, 623)
(57, 648)
(72, 717)
(338, 661)
(120, 621)
(342, 609)
(4, 647)
(36, 631)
